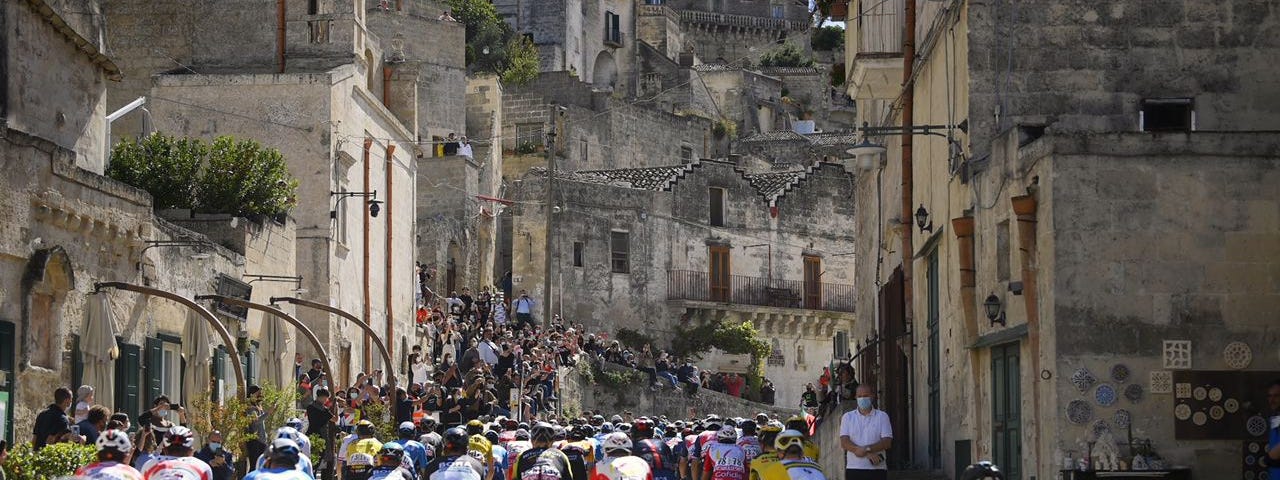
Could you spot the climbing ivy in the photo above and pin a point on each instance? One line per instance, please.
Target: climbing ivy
(633, 339)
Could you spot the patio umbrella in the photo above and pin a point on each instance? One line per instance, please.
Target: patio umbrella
(274, 351)
(199, 353)
(99, 349)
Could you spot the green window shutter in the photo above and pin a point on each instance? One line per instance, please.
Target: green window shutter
(219, 370)
(251, 365)
(154, 370)
(7, 362)
(77, 364)
(129, 379)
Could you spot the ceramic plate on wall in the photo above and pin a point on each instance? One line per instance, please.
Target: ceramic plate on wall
(1105, 395)
(1183, 412)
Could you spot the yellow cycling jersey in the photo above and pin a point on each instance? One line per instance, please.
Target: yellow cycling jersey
(480, 449)
(368, 446)
(767, 466)
(811, 450)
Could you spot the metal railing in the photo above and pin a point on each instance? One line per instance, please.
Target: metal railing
(742, 21)
(743, 290)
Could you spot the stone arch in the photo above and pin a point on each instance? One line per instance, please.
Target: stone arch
(371, 80)
(605, 72)
(45, 283)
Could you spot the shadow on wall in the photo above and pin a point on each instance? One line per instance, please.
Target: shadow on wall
(615, 388)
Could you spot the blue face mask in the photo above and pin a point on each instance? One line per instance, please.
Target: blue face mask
(215, 446)
(864, 403)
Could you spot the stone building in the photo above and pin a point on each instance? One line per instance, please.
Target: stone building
(595, 39)
(650, 248)
(1071, 229)
(69, 227)
(341, 103)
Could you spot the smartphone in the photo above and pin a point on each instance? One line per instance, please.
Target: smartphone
(4, 446)
(75, 429)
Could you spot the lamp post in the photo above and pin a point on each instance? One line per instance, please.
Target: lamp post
(995, 311)
(375, 205)
(295, 279)
(382, 347)
(200, 254)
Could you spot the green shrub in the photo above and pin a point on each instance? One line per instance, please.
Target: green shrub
(164, 166)
(787, 55)
(633, 339)
(523, 64)
(492, 46)
(827, 38)
(52, 461)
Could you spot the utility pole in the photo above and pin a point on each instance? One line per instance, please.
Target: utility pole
(548, 252)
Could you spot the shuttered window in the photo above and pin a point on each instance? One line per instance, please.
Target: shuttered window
(129, 380)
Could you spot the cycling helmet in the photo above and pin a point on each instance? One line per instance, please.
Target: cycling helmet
(727, 434)
(294, 422)
(789, 438)
(712, 425)
(542, 432)
(617, 441)
(406, 430)
(581, 432)
(475, 427)
(732, 422)
(428, 424)
(597, 420)
(748, 427)
(284, 448)
(643, 426)
(491, 436)
(179, 436)
(115, 440)
(290, 433)
(615, 419)
(606, 428)
(455, 439)
(769, 433)
(522, 434)
(364, 428)
(524, 425)
(981, 470)
(624, 427)
(798, 423)
(391, 454)
(559, 434)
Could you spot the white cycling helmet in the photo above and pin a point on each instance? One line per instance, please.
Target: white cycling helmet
(114, 440)
(179, 435)
(727, 434)
(294, 422)
(617, 441)
(289, 433)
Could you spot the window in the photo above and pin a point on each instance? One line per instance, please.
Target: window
(1167, 115)
(313, 7)
(164, 370)
(1002, 251)
(612, 29)
(620, 252)
(686, 153)
(577, 254)
(528, 137)
(718, 270)
(1006, 415)
(48, 279)
(715, 202)
(779, 11)
(585, 149)
(812, 282)
(128, 378)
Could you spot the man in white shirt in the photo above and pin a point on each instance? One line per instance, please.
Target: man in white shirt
(488, 349)
(865, 434)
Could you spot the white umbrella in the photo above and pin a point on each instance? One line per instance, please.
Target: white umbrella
(98, 346)
(199, 353)
(274, 351)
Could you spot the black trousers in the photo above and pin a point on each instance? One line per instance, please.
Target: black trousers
(850, 474)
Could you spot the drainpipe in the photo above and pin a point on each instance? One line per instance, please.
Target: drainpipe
(908, 121)
(1025, 208)
(387, 286)
(963, 228)
(368, 300)
(280, 34)
(386, 97)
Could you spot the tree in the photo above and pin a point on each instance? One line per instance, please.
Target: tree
(524, 64)
(827, 38)
(788, 55)
(164, 166)
(492, 46)
(245, 178)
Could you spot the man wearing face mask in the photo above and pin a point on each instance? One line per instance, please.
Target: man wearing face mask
(865, 434)
(218, 458)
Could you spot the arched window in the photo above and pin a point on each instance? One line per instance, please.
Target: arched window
(45, 284)
(372, 79)
(605, 72)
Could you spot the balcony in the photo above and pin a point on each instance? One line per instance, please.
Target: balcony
(743, 290)
(613, 38)
(876, 56)
(742, 21)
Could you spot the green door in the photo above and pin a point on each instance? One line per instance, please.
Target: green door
(934, 377)
(129, 380)
(7, 362)
(1006, 418)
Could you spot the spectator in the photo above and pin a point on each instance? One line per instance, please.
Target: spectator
(451, 142)
(768, 395)
(418, 368)
(218, 458)
(53, 425)
(84, 400)
(448, 18)
(94, 422)
(465, 148)
(733, 384)
(809, 399)
(524, 310)
(318, 415)
(256, 445)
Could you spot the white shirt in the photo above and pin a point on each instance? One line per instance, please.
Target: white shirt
(465, 150)
(488, 352)
(864, 430)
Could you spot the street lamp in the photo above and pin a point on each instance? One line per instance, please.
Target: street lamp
(922, 219)
(995, 311)
(867, 153)
(375, 205)
(200, 254)
(295, 280)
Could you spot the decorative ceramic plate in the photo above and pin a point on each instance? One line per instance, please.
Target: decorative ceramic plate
(1199, 393)
(1264, 475)
(1182, 390)
(1119, 373)
(1238, 355)
(1105, 395)
(1254, 447)
(1249, 460)
(1230, 405)
(1256, 426)
(1079, 412)
(1083, 379)
(1160, 381)
(1183, 411)
(1215, 412)
(1249, 475)
(1199, 418)
(1100, 427)
(1215, 394)
(1133, 392)
(1122, 418)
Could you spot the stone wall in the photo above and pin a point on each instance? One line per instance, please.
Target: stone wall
(1120, 54)
(437, 49)
(580, 391)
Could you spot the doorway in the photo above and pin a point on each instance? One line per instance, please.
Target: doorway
(1006, 417)
(812, 282)
(718, 271)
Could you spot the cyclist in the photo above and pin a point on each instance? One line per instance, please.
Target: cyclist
(517, 446)
(768, 466)
(176, 461)
(653, 451)
(453, 462)
(581, 452)
(282, 463)
(748, 441)
(304, 443)
(417, 452)
(304, 461)
(724, 459)
(800, 424)
(499, 454)
(710, 428)
(113, 448)
(391, 463)
(542, 462)
(790, 446)
(429, 438)
(619, 463)
(479, 447)
(361, 453)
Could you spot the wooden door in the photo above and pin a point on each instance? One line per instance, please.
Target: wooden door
(718, 273)
(812, 282)
(1006, 402)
